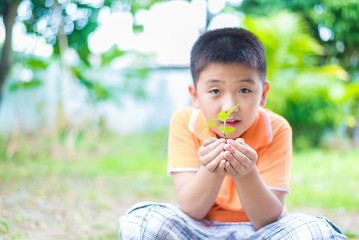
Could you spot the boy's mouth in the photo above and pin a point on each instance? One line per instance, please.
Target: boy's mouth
(232, 123)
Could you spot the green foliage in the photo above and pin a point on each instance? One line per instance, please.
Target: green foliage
(222, 116)
(309, 95)
(341, 22)
(31, 63)
(65, 29)
(111, 54)
(4, 226)
(34, 62)
(133, 76)
(76, 27)
(25, 85)
(342, 17)
(96, 90)
(143, 5)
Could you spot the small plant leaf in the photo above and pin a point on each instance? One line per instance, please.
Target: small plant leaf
(212, 120)
(229, 129)
(222, 116)
(231, 110)
(212, 125)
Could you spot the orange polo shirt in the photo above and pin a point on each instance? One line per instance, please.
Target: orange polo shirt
(270, 136)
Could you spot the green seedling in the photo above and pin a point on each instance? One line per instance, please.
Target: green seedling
(223, 117)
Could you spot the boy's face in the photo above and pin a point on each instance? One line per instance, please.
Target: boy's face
(222, 86)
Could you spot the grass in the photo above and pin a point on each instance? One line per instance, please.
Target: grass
(49, 191)
(92, 182)
(110, 155)
(325, 178)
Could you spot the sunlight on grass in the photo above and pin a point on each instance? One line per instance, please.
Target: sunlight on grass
(318, 178)
(325, 179)
(117, 171)
(132, 154)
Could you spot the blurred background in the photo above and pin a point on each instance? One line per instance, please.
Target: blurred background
(87, 89)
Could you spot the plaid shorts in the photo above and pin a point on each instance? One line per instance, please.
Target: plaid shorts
(149, 221)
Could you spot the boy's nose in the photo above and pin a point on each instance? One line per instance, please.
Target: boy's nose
(228, 104)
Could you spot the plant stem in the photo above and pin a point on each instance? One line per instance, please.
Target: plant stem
(224, 130)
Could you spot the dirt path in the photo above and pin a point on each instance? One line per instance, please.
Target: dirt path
(66, 209)
(84, 208)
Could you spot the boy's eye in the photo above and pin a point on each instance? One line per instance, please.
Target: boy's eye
(244, 90)
(215, 91)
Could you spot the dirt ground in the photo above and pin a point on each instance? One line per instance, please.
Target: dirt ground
(66, 209)
(79, 208)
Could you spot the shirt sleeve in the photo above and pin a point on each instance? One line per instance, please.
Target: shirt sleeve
(274, 161)
(182, 144)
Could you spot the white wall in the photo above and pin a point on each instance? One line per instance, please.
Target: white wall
(30, 110)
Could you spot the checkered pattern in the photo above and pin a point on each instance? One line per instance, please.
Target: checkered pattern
(149, 221)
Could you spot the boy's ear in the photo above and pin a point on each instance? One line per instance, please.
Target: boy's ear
(194, 95)
(264, 93)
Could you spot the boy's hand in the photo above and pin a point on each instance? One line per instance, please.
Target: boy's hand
(241, 158)
(211, 155)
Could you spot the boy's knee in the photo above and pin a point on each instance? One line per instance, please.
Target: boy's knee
(146, 221)
(303, 226)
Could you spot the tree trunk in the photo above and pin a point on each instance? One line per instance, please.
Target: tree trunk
(9, 14)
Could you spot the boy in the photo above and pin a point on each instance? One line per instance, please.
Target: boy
(235, 188)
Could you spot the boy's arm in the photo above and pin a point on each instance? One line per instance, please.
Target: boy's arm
(261, 205)
(197, 191)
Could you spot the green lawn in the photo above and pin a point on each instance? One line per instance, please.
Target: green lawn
(325, 178)
(106, 175)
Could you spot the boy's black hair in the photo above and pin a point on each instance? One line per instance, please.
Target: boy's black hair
(228, 45)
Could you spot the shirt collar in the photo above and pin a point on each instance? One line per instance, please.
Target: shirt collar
(257, 135)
